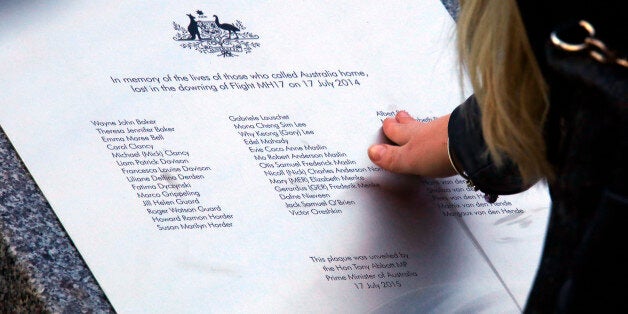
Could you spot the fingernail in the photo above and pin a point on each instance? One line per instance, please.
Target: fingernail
(403, 114)
(376, 152)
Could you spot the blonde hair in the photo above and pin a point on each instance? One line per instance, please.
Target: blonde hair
(508, 84)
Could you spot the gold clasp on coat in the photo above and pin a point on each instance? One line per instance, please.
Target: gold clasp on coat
(597, 49)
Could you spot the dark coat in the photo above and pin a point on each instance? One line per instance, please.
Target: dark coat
(583, 266)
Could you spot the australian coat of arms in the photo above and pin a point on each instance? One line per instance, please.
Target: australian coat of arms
(209, 35)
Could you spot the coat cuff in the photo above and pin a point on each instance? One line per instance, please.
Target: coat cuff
(470, 156)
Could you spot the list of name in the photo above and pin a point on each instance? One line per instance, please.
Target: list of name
(164, 178)
(454, 198)
(305, 176)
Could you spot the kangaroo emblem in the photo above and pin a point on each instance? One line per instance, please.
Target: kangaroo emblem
(193, 28)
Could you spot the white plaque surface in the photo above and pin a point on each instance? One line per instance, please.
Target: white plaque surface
(211, 157)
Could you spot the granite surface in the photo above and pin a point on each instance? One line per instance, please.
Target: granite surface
(40, 269)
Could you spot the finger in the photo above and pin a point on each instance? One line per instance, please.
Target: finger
(404, 117)
(401, 129)
(424, 152)
(391, 158)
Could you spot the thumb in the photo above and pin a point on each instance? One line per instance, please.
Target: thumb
(389, 157)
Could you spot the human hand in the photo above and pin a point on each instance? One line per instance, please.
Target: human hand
(421, 147)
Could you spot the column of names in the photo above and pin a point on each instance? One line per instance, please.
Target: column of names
(307, 176)
(163, 177)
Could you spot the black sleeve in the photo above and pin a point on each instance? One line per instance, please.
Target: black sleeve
(469, 153)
